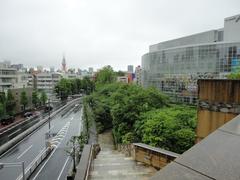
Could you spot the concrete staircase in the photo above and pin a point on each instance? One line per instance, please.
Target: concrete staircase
(111, 164)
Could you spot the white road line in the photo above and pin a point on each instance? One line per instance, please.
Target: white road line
(60, 174)
(24, 152)
(14, 132)
(46, 161)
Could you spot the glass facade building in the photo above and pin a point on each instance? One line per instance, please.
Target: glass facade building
(175, 66)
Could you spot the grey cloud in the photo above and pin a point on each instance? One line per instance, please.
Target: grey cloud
(96, 33)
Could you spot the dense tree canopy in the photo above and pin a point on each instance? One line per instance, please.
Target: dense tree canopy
(66, 87)
(35, 98)
(10, 103)
(43, 98)
(143, 115)
(106, 75)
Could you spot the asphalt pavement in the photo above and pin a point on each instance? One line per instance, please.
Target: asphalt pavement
(57, 164)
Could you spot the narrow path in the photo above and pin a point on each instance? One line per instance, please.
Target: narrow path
(111, 164)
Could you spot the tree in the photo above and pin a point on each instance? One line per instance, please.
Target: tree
(3, 102)
(43, 98)
(63, 88)
(24, 99)
(10, 103)
(106, 75)
(2, 111)
(74, 148)
(87, 85)
(35, 98)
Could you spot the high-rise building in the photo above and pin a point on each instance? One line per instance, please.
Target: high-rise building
(138, 75)
(175, 66)
(130, 69)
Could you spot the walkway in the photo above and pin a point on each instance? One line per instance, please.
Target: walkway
(112, 165)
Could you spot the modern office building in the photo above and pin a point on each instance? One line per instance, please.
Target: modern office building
(130, 68)
(175, 66)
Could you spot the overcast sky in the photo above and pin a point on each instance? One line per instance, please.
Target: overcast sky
(94, 33)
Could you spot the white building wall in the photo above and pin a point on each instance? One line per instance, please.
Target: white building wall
(232, 28)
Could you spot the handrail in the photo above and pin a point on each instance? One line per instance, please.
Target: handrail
(89, 162)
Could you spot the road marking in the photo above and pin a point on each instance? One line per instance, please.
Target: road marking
(67, 125)
(14, 132)
(24, 152)
(41, 150)
(63, 168)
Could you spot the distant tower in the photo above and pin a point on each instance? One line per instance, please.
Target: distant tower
(64, 67)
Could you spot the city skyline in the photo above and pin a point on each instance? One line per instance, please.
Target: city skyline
(114, 33)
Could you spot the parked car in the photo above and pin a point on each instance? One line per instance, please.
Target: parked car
(28, 114)
(7, 120)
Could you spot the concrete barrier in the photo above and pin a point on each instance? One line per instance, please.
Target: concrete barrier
(21, 136)
(35, 163)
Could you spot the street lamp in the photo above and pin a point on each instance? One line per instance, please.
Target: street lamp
(49, 125)
(3, 165)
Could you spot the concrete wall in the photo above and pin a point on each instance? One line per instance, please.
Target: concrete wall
(219, 102)
(204, 37)
(232, 28)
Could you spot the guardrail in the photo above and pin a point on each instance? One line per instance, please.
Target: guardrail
(21, 136)
(85, 165)
(35, 163)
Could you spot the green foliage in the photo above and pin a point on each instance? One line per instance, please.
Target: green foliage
(63, 89)
(136, 114)
(87, 85)
(43, 98)
(66, 87)
(2, 110)
(235, 74)
(170, 128)
(128, 138)
(10, 104)
(24, 99)
(118, 106)
(120, 73)
(106, 75)
(35, 98)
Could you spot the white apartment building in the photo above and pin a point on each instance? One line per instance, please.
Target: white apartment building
(45, 81)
